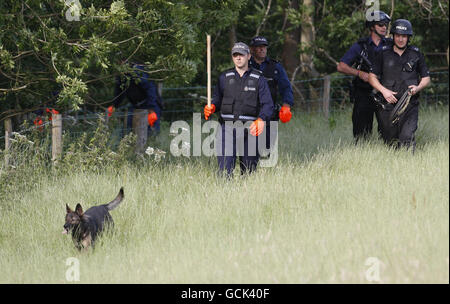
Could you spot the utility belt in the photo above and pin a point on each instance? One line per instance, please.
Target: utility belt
(232, 117)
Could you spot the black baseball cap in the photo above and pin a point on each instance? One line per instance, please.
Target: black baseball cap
(259, 40)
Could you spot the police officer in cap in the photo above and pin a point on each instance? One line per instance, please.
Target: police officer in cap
(242, 97)
(278, 82)
(399, 68)
(357, 62)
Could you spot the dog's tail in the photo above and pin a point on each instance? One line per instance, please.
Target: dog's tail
(113, 204)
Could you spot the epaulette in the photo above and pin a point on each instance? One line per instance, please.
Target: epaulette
(414, 48)
(273, 60)
(252, 69)
(229, 72)
(386, 47)
(255, 73)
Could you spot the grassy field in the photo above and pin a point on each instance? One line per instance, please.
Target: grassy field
(322, 215)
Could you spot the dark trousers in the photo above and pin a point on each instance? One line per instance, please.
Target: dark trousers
(236, 143)
(271, 135)
(362, 117)
(402, 133)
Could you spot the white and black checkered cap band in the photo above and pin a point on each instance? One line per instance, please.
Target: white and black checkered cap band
(240, 48)
(259, 41)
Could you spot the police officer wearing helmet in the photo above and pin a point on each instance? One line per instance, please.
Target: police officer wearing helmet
(241, 96)
(399, 68)
(278, 82)
(357, 62)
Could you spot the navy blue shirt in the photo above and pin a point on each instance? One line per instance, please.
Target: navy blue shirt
(264, 97)
(142, 94)
(353, 53)
(280, 78)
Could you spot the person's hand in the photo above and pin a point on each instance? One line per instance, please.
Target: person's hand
(110, 110)
(285, 114)
(38, 121)
(363, 76)
(51, 112)
(389, 96)
(257, 127)
(152, 118)
(413, 90)
(209, 110)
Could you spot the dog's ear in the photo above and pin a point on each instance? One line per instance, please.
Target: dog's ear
(79, 210)
(68, 209)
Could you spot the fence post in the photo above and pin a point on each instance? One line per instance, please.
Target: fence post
(8, 133)
(160, 88)
(56, 137)
(326, 96)
(140, 128)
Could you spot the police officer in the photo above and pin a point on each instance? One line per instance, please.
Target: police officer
(357, 62)
(141, 92)
(278, 82)
(241, 95)
(398, 68)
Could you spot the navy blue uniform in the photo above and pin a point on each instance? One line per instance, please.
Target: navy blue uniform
(240, 99)
(278, 82)
(396, 73)
(363, 108)
(141, 93)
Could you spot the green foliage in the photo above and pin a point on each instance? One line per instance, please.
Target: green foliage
(48, 60)
(179, 223)
(53, 59)
(94, 153)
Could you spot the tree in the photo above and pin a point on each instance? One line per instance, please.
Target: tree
(61, 54)
(291, 31)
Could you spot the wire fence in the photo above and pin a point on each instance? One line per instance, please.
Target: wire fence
(180, 103)
(308, 95)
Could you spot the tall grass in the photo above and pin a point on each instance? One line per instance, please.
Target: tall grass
(317, 217)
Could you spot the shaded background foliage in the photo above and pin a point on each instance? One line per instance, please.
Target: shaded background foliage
(48, 61)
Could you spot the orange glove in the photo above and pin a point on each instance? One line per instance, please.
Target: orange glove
(209, 110)
(110, 110)
(285, 114)
(152, 118)
(257, 127)
(51, 112)
(38, 121)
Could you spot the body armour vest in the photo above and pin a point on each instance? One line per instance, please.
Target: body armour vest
(399, 72)
(365, 60)
(240, 96)
(270, 72)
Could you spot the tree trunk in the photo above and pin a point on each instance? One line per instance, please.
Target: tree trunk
(232, 35)
(307, 38)
(140, 128)
(289, 56)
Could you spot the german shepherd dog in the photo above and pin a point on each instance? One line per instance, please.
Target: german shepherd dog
(86, 226)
